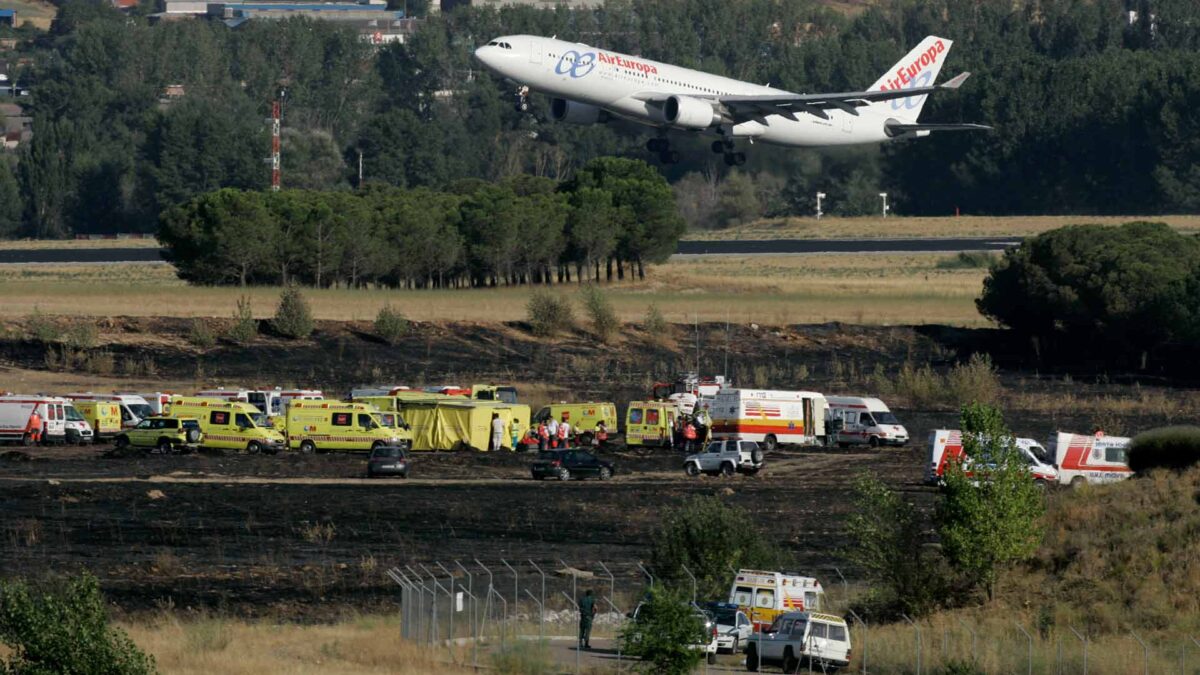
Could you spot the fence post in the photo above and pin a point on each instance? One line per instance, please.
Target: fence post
(578, 647)
(693, 578)
(1084, 640)
(453, 599)
(474, 632)
(422, 622)
(865, 636)
(542, 604)
(405, 600)
(1029, 658)
(974, 640)
(647, 573)
(516, 591)
(470, 594)
(845, 587)
(618, 639)
(574, 582)
(612, 581)
(918, 630)
(1145, 653)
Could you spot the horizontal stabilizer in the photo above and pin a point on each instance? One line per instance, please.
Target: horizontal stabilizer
(894, 128)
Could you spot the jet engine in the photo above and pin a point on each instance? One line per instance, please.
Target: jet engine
(574, 112)
(690, 113)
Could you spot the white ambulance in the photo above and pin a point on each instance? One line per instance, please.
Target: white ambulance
(270, 402)
(1090, 459)
(946, 445)
(764, 595)
(864, 421)
(17, 409)
(771, 418)
(160, 402)
(134, 408)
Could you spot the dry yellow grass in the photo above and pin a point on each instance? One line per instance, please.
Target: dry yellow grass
(965, 226)
(36, 12)
(75, 244)
(369, 644)
(769, 290)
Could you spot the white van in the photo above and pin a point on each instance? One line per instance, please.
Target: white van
(78, 431)
(946, 445)
(17, 409)
(1090, 459)
(770, 418)
(270, 402)
(159, 402)
(864, 421)
(134, 408)
(798, 641)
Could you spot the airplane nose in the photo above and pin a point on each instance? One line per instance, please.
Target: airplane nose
(482, 54)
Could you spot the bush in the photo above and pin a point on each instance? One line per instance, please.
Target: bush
(1166, 448)
(200, 334)
(665, 628)
(81, 336)
(293, 318)
(600, 313)
(390, 325)
(245, 327)
(976, 380)
(524, 657)
(967, 260)
(710, 537)
(655, 323)
(548, 314)
(42, 328)
(64, 630)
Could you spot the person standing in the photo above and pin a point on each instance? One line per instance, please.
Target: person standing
(543, 435)
(601, 435)
(497, 432)
(564, 432)
(587, 612)
(35, 427)
(689, 436)
(552, 429)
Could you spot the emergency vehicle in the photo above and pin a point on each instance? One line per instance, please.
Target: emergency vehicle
(1090, 459)
(133, 408)
(863, 421)
(690, 383)
(159, 401)
(103, 416)
(650, 423)
(79, 432)
(270, 402)
(321, 426)
(229, 425)
(945, 445)
(764, 595)
(16, 410)
(772, 418)
(582, 417)
(457, 424)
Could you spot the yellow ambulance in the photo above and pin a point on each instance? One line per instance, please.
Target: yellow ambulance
(230, 425)
(583, 417)
(321, 426)
(104, 416)
(650, 423)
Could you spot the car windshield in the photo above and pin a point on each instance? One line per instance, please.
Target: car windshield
(726, 617)
(885, 418)
(73, 414)
(142, 410)
(387, 452)
(260, 420)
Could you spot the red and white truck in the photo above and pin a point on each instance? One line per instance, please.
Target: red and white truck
(16, 411)
(945, 446)
(1090, 459)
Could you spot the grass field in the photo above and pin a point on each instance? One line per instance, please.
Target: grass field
(900, 227)
(39, 13)
(769, 290)
(75, 244)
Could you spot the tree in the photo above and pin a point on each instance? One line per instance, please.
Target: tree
(709, 537)
(293, 318)
(64, 629)
(10, 202)
(737, 201)
(663, 634)
(990, 515)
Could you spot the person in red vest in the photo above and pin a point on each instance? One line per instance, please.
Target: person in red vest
(564, 432)
(689, 436)
(543, 435)
(35, 427)
(601, 435)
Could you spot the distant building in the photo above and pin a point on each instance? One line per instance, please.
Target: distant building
(373, 21)
(16, 126)
(8, 17)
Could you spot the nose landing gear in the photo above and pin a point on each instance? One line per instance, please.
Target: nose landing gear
(522, 99)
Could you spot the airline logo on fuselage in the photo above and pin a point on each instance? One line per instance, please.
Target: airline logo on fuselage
(575, 64)
(628, 64)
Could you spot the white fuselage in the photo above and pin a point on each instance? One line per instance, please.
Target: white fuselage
(633, 87)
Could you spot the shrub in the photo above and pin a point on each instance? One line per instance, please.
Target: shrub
(710, 537)
(967, 260)
(600, 313)
(200, 334)
(976, 380)
(548, 314)
(524, 657)
(921, 386)
(63, 629)
(655, 323)
(1166, 448)
(390, 325)
(293, 318)
(42, 328)
(81, 336)
(244, 327)
(663, 633)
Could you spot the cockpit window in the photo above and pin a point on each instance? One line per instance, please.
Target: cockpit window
(493, 43)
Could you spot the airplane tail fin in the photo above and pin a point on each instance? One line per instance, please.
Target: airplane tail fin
(918, 68)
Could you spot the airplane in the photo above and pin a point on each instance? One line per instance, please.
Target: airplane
(589, 85)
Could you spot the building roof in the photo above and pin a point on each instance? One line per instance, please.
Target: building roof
(8, 12)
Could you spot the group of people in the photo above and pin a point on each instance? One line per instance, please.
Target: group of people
(552, 434)
(691, 432)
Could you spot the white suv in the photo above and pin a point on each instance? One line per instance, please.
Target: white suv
(796, 639)
(725, 458)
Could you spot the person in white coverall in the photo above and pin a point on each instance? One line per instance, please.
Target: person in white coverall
(497, 432)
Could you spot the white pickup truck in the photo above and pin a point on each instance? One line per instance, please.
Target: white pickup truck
(725, 458)
(801, 639)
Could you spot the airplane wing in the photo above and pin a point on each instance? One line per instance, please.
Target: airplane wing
(758, 107)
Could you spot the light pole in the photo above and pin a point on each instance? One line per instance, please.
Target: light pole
(883, 196)
(820, 196)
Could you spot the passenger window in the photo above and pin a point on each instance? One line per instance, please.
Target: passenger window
(652, 416)
(819, 630)
(244, 422)
(742, 595)
(364, 421)
(866, 420)
(798, 630)
(635, 415)
(765, 597)
(1116, 455)
(786, 627)
(810, 600)
(341, 419)
(219, 417)
(837, 633)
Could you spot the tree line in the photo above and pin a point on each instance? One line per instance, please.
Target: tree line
(1094, 113)
(610, 219)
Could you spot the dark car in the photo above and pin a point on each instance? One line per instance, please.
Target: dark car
(570, 463)
(388, 460)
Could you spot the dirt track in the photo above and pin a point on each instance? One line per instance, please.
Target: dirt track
(240, 533)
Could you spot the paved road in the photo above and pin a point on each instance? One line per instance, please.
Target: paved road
(925, 245)
(730, 247)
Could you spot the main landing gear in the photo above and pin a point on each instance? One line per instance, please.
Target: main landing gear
(725, 147)
(522, 99)
(662, 147)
